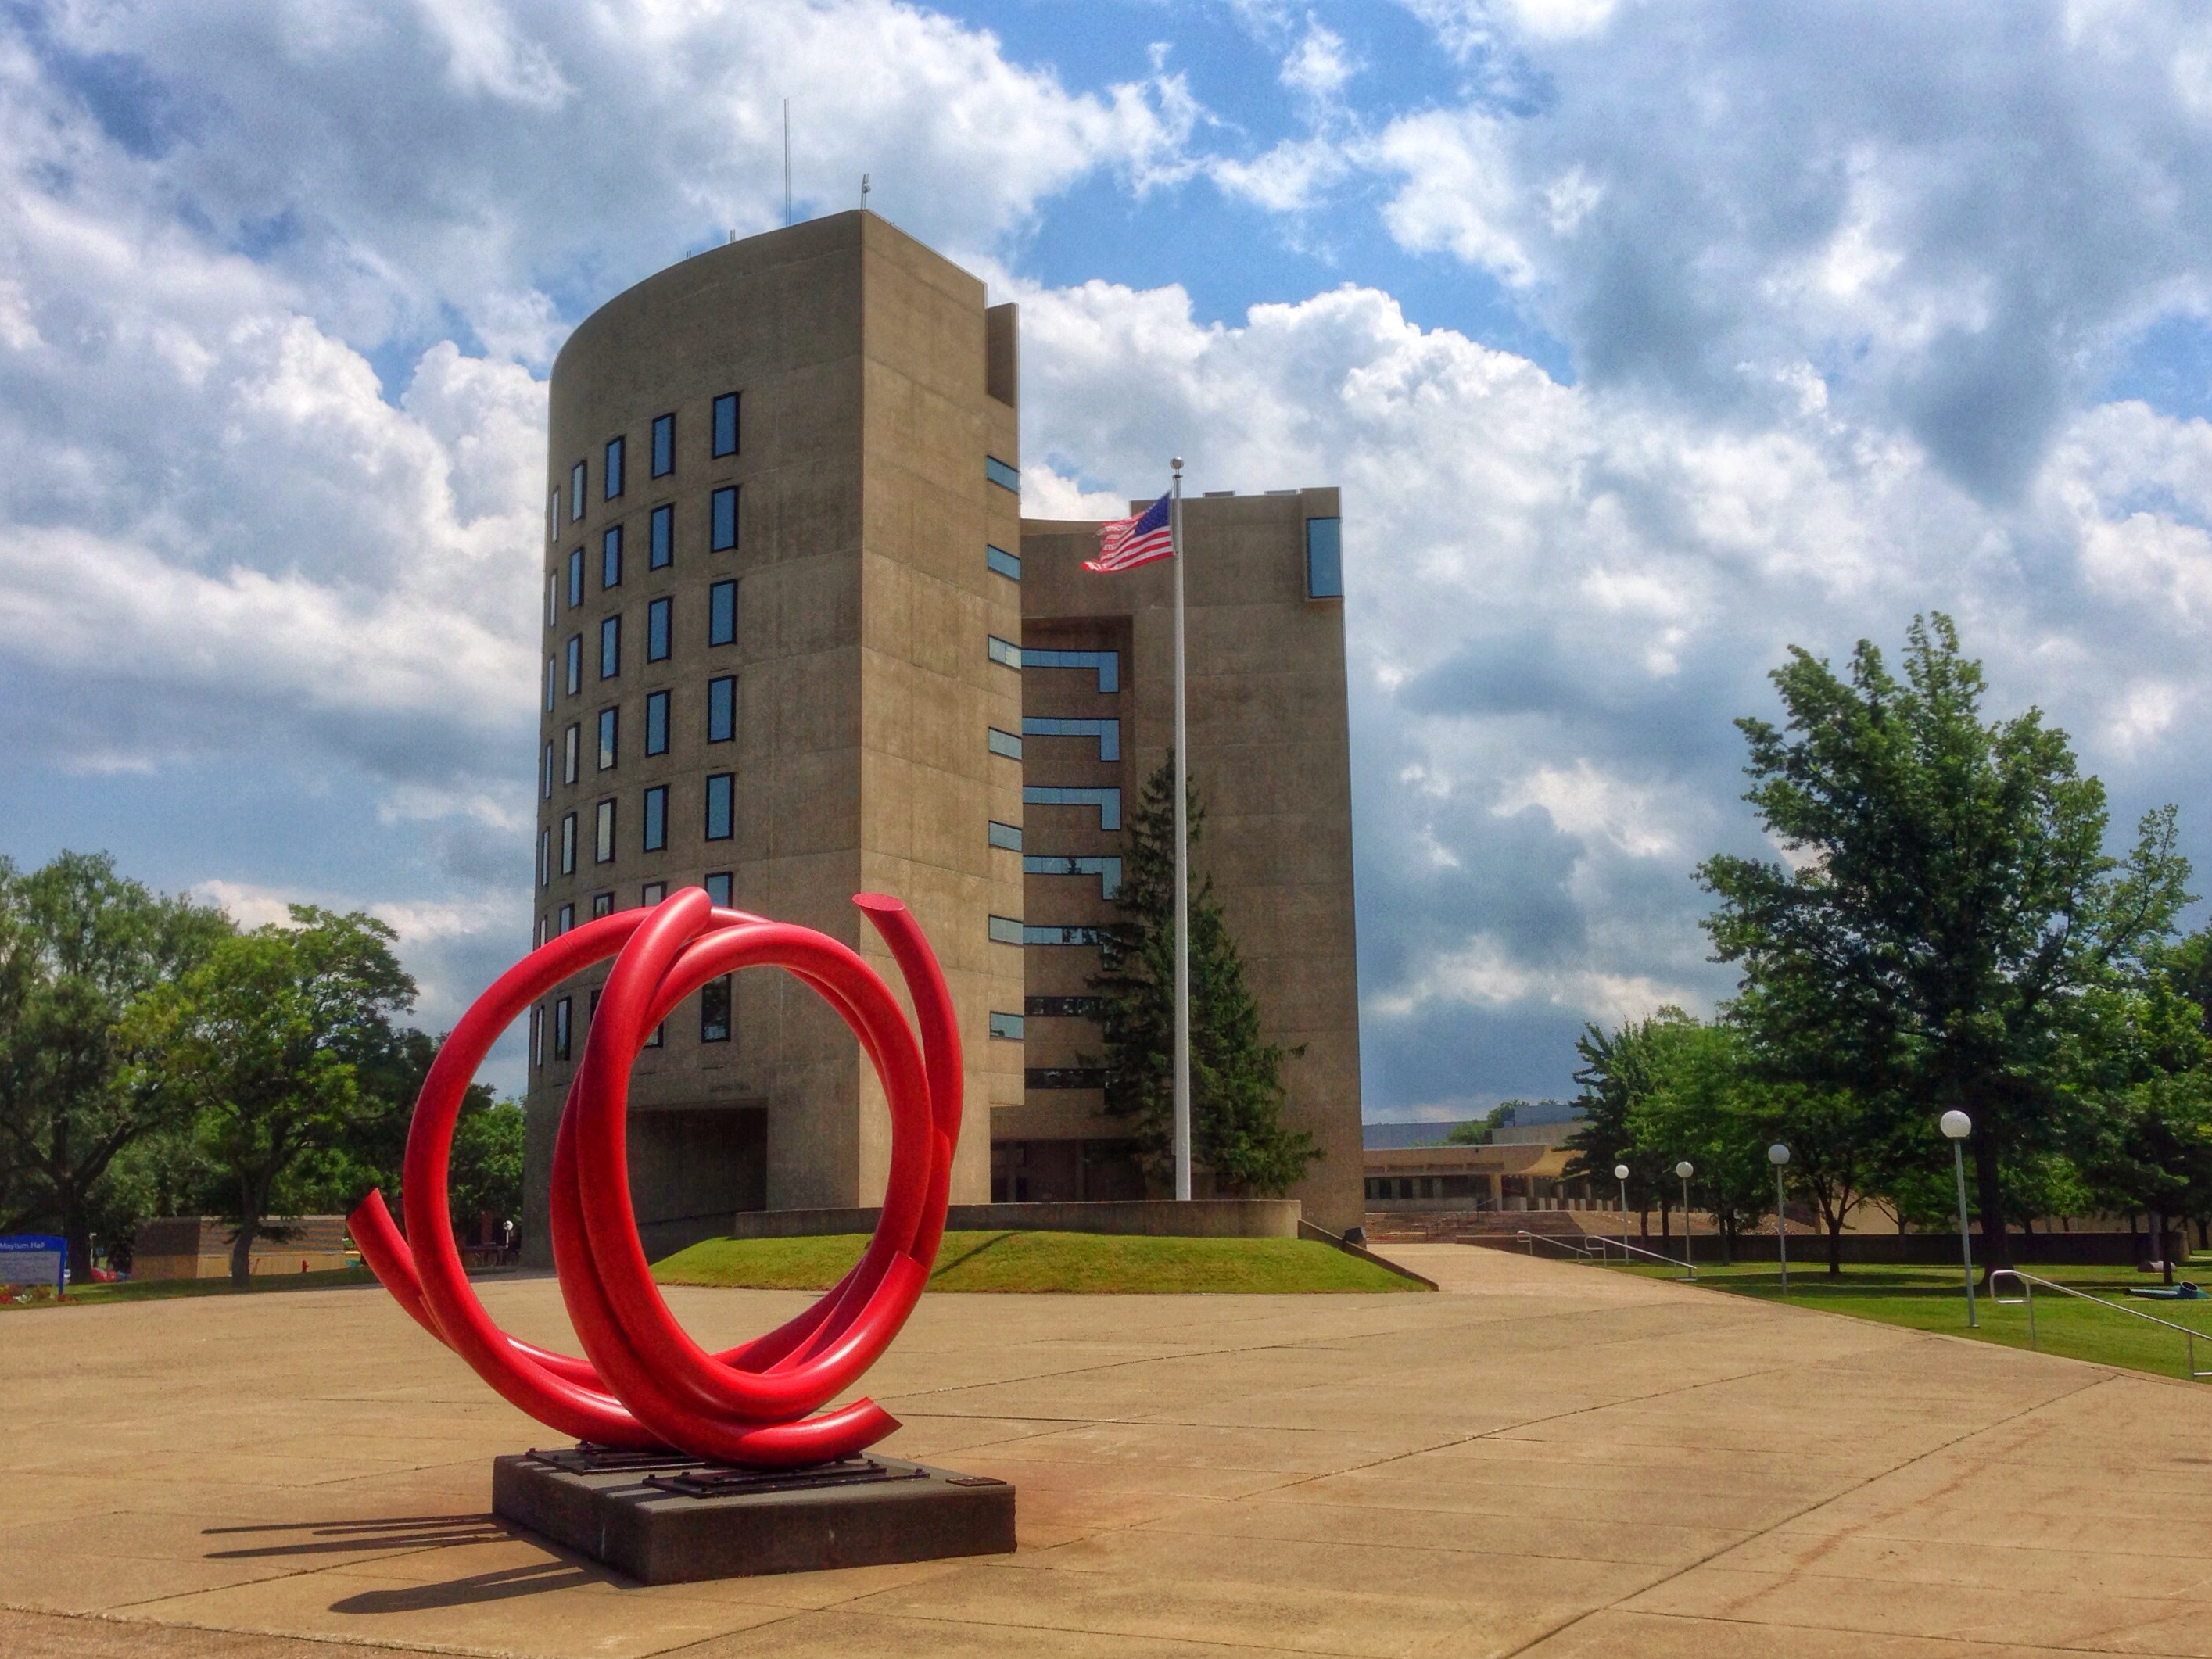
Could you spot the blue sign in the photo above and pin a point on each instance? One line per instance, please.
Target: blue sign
(33, 1259)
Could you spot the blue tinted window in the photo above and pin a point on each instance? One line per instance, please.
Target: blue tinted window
(1108, 732)
(656, 631)
(656, 818)
(718, 887)
(1004, 563)
(720, 787)
(611, 557)
(656, 723)
(576, 576)
(613, 471)
(664, 446)
(725, 525)
(609, 647)
(722, 614)
(721, 710)
(726, 424)
(1108, 663)
(1108, 801)
(714, 1010)
(575, 664)
(1005, 651)
(1056, 935)
(1006, 1027)
(552, 670)
(1008, 836)
(608, 721)
(1324, 558)
(1005, 743)
(1107, 870)
(1006, 930)
(1002, 475)
(577, 493)
(661, 547)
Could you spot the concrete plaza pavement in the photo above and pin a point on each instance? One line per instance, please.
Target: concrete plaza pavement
(1544, 1460)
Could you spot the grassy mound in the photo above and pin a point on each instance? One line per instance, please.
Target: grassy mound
(1094, 1263)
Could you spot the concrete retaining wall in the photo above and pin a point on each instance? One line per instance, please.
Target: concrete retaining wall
(1888, 1249)
(1159, 1217)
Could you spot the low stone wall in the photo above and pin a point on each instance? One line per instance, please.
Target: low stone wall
(1157, 1217)
(198, 1247)
(1890, 1249)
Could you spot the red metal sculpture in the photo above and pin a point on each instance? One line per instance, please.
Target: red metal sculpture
(645, 1383)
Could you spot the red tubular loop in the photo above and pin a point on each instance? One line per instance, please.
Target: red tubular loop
(645, 1382)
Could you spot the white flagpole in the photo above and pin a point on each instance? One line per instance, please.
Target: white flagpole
(1182, 868)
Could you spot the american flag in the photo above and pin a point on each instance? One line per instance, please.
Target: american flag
(1127, 543)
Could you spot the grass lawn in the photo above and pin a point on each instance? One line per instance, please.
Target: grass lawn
(1934, 1299)
(155, 1290)
(1093, 1262)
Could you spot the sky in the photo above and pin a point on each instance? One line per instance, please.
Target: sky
(1644, 341)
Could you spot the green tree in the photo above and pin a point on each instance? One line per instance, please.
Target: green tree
(487, 1163)
(78, 945)
(1702, 1105)
(1477, 1132)
(1947, 904)
(266, 1041)
(1619, 1072)
(1236, 1090)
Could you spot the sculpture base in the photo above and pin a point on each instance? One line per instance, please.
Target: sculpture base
(664, 1519)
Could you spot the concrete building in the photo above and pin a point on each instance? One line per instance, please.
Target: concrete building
(800, 644)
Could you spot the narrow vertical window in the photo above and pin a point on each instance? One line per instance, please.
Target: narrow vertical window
(603, 904)
(543, 927)
(651, 893)
(725, 520)
(553, 515)
(538, 1032)
(575, 664)
(656, 723)
(613, 470)
(720, 785)
(544, 860)
(552, 599)
(568, 844)
(723, 710)
(545, 772)
(714, 1010)
(552, 679)
(575, 577)
(567, 917)
(571, 744)
(656, 630)
(722, 614)
(656, 820)
(611, 557)
(718, 887)
(726, 424)
(661, 549)
(608, 719)
(1324, 558)
(603, 838)
(609, 647)
(664, 444)
(561, 1029)
(577, 493)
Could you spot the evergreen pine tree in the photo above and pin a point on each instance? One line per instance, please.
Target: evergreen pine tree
(1236, 1076)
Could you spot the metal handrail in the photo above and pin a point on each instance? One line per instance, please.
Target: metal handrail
(1597, 1245)
(1605, 1241)
(1534, 1239)
(2027, 1283)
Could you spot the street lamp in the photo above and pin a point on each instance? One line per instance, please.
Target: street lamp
(1957, 1125)
(1620, 1173)
(1686, 1171)
(1779, 1155)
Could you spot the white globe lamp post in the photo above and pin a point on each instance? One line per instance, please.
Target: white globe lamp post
(1686, 1169)
(1620, 1174)
(1778, 1156)
(1957, 1125)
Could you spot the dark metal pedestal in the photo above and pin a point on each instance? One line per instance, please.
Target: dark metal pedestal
(664, 1519)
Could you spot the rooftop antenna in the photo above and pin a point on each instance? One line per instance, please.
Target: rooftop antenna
(864, 193)
(786, 161)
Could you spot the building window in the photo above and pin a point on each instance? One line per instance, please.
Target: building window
(591, 1010)
(726, 424)
(603, 840)
(1064, 1077)
(718, 887)
(538, 1023)
(1108, 663)
(553, 515)
(610, 646)
(545, 772)
(1061, 1008)
(720, 785)
(656, 818)
(608, 720)
(603, 904)
(1007, 1028)
(611, 557)
(660, 543)
(540, 931)
(1108, 733)
(664, 444)
(656, 630)
(613, 481)
(1006, 930)
(1004, 743)
(1005, 651)
(571, 744)
(1007, 564)
(577, 493)
(651, 893)
(552, 678)
(1008, 836)
(567, 918)
(722, 708)
(575, 664)
(1107, 870)
(999, 473)
(714, 1010)
(552, 599)
(722, 614)
(575, 577)
(544, 860)
(656, 723)
(1108, 801)
(723, 522)
(1324, 558)
(1041, 934)
(561, 1029)
(569, 843)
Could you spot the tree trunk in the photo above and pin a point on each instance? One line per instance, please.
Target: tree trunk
(249, 1227)
(78, 1231)
(1836, 1249)
(1988, 1193)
